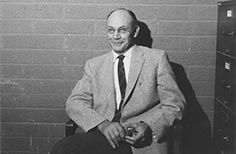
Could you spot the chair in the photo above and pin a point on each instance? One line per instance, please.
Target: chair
(174, 135)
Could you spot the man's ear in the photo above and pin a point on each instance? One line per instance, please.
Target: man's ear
(137, 28)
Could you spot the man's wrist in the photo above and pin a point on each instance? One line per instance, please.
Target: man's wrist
(103, 124)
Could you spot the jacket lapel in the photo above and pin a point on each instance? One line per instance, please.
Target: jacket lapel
(108, 80)
(135, 69)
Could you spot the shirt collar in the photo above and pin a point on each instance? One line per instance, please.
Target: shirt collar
(126, 54)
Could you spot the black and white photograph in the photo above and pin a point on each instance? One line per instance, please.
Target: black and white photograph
(117, 77)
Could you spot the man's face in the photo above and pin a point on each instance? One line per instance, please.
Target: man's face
(120, 31)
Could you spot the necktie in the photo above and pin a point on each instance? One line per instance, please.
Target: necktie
(121, 78)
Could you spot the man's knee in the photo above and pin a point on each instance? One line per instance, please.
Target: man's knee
(60, 147)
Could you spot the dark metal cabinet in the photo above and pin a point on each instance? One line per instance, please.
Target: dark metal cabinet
(224, 130)
(226, 28)
(225, 76)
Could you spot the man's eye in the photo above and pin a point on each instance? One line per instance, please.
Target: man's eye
(110, 31)
(123, 30)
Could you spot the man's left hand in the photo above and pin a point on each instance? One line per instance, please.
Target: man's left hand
(141, 136)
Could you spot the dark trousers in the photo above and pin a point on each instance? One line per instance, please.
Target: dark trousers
(93, 142)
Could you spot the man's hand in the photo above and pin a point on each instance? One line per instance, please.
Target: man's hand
(113, 132)
(142, 134)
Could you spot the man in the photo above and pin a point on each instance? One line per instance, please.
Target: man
(126, 99)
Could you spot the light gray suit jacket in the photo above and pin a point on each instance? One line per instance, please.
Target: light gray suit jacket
(152, 94)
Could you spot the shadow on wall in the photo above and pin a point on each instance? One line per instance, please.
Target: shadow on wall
(196, 125)
(144, 36)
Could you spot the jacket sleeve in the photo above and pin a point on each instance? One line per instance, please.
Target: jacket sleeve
(80, 102)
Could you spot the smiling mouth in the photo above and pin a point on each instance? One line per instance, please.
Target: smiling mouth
(117, 43)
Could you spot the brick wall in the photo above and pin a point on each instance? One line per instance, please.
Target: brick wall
(44, 44)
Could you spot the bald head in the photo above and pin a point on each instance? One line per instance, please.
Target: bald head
(128, 14)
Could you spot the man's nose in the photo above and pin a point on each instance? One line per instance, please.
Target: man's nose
(116, 35)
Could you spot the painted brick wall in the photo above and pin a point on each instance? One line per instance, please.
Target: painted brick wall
(44, 44)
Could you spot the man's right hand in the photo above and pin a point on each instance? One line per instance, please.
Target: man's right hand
(113, 131)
